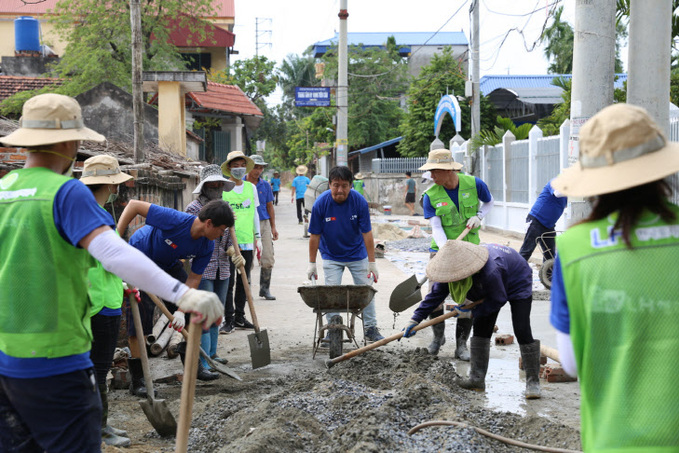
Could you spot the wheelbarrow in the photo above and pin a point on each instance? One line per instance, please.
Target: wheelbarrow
(347, 299)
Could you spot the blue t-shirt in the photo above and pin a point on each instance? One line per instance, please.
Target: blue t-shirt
(559, 315)
(300, 183)
(341, 226)
(76, 214)
(265, 195)
(548, 208)
(166, 238)
(276, 184)
(481, 190)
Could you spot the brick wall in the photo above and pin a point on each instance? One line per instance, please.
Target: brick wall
(11, 158)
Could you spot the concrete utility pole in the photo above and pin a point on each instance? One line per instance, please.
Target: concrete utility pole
(648, 80)
(475, 69)
(137, 92)
(342, 89)
(593, 75)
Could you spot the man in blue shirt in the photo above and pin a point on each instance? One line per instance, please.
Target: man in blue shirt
(542, 218)
(169, 236)
(299, 185)
(276, 186)
(267, 224)
(340, 227)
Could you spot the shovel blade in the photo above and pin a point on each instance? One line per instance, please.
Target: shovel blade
(406, 294)
(259, 349)
(160, 417)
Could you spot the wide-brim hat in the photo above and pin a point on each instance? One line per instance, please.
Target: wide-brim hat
(455, 261)
(301, 170)
(258, 160)
(50, 118)
(441, 159)
(358, 175)
(233, 155)
(211, 173)
(619, 147)
(103, 169)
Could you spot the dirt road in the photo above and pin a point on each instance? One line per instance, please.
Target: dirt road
(367, 403)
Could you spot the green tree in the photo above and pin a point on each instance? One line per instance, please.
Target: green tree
(504, 125)
(255, 76)
(296, 71)
(444, 74)
(98, 37)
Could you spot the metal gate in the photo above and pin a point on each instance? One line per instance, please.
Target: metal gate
(221, 142)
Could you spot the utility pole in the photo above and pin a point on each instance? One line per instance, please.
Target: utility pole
(648, 80)
(342, 89)
(259, 32)
(593, 76)
(474, 70)
(137, 90)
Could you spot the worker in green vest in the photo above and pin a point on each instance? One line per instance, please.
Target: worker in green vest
(615, 291)
(358, 184)
(454, 203)
(244, 202)
(51, 227)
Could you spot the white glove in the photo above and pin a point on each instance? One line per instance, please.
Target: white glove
(238, 261)
(205, 305)
(372, 271)
(474, 222)
(461, 312)
(179, 321)
(311, 272)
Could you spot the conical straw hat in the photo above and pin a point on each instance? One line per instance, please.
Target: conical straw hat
(455, 261)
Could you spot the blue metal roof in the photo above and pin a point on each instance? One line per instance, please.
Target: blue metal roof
(404, 39)
(393, 141)
(489, 83)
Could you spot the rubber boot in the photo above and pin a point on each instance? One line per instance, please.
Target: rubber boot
(264, 283)
(439, 334)
(108, 434)
(203, 373)
(480, 354)
(530, 355)
(137, 386)
(462, 331)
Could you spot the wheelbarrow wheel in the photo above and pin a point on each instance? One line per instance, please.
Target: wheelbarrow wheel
(335, 337)
(546, 273)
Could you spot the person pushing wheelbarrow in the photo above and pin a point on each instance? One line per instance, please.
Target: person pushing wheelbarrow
(486, 277)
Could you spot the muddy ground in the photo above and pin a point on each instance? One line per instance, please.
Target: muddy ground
(366, 404)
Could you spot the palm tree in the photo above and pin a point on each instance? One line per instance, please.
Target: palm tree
(560, 38)
(296, 71)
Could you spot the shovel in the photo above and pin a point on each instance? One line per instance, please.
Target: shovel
(188, 389)
(216, 366)
(156, 411)
(260, 353)
(407, 293)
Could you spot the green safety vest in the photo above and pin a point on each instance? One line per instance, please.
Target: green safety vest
(105, 289)
(624, 307)
(243, 206)
(358, 186)
(453, 221)
(45, 310)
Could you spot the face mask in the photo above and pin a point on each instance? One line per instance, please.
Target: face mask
(238, 172)
(112, 197)
(212, 193)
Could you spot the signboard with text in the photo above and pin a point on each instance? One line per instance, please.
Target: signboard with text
(312, 96)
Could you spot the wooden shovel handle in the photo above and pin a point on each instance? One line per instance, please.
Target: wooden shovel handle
(188, 390)
(463, 234)
(248, 293)
(136, 317)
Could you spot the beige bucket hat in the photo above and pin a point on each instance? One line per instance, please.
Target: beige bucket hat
(441, 159)
(103, 169)
(358, 175)
(455, 261)
(233, 155)
(301, 170)
(258, 160)
(211, 173)
(620, 147)
(50, 118)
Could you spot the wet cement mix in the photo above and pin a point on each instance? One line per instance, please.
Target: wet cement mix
(365, 404)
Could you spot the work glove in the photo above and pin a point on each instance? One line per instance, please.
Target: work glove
(312, 272)
(205, 305)
(474, 222)
(408, 331)
(179, 321)
(461, 312)
(237, 260)
(372, 271)
(127, 291)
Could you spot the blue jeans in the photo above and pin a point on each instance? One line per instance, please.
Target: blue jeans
(210, 338)
(59, 413)
(333, 271)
